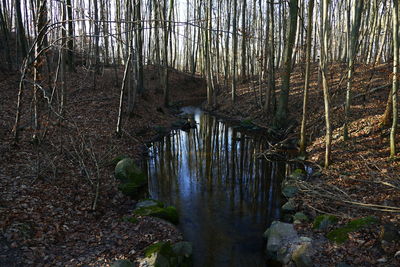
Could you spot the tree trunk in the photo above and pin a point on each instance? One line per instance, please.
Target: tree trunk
(323, 61)
(356, 11)
(282, 111)
(307, 78)
(395, 86)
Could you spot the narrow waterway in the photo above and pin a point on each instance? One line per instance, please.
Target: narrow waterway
(226, 197)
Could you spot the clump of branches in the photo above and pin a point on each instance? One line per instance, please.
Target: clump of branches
(90, 163)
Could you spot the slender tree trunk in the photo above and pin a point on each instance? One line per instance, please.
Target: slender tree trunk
(243, 63)
(70, 43)
(323, 62)
(121, 96)
(235, 48)
(307, 78)
(395, 86)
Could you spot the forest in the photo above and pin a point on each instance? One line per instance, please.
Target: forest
(199, 133)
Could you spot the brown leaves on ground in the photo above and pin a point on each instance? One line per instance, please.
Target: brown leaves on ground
(360, 171)
(47, 194)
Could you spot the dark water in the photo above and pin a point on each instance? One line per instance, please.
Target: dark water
(226, 197)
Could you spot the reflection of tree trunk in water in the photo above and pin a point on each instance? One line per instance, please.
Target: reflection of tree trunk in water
(226, 142)
(208, 148)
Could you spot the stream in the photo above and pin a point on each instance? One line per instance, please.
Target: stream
(226, 197)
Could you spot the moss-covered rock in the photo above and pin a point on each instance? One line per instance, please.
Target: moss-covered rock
(127, 171)
(131, 177)
(322, 222)
(165, 254)
(168, 213)
(340, 235)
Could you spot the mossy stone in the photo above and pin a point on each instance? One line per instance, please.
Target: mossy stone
(169, 213)
(341, 235)
(322, 222)
(165, 254)
(127, 171)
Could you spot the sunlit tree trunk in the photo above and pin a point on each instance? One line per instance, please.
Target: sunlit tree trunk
(395, 85)
(307, 78)
(323, 62)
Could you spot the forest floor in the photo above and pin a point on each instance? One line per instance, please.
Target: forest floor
(45, 205)
(47, 191)
(361, 175)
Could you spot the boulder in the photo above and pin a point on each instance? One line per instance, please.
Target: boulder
(168, 213)
(289, 188)
(163, 254)
(279, 234)
(127, 171)
(284, 245)
(131, 177)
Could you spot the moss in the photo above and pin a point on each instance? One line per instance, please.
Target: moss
(129, 189)
(340, 235)
(164, 248)
(323, 221)
(169, 213)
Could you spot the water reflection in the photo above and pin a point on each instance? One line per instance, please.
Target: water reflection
(225, 196)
